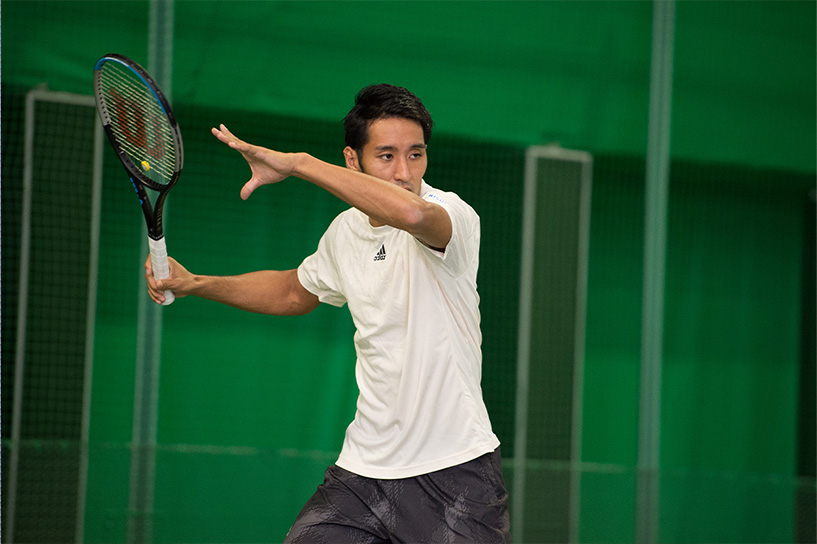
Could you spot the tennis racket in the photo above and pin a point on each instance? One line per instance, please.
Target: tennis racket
(143, 131)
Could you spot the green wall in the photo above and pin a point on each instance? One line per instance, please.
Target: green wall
(253, 408)
(518, 72)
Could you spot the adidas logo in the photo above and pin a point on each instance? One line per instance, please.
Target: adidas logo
(381, 255)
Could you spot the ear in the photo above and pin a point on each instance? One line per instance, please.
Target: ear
(352, 162)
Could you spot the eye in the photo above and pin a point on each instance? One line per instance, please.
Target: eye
(386, 156)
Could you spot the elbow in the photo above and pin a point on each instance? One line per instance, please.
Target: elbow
(300, 301)
(414, 218)
(429, 223)
(300, 309)
(291, 307)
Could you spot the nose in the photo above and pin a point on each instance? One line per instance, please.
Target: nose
(401, 170)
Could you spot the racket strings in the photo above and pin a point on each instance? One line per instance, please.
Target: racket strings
(139, 122)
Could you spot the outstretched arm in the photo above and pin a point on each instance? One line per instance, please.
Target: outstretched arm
(384, 202)
(275, 292)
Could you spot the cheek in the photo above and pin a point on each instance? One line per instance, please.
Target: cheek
(420, 168)
(375, 170)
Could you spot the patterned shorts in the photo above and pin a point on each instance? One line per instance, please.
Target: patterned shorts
(464, 503)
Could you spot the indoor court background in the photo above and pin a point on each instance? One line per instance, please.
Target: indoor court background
(251, 409)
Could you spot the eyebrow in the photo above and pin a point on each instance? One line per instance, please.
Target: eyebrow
(394, 148)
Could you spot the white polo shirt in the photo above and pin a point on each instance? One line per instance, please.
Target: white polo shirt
(416, 311)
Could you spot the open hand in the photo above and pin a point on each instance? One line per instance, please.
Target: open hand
(267, 166)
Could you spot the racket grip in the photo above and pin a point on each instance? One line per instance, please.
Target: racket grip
(161, 270)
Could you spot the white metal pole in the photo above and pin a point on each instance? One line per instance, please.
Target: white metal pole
(149, 328)
(655, 234)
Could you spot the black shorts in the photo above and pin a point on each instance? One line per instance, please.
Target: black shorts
(464, 503)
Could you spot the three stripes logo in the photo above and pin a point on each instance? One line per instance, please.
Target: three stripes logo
(381, 254)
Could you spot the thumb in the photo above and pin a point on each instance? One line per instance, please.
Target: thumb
(249, 187)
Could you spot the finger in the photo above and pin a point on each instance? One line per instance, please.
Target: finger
(249, 187)
(159, 293)
(154, 293)
(151, 282)
(230, 137)
(222, 136)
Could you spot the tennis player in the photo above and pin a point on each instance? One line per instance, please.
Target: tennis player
(420, 462)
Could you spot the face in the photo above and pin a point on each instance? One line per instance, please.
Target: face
(396, 152)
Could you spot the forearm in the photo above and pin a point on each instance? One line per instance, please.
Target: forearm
(384, 202)
(268, 292)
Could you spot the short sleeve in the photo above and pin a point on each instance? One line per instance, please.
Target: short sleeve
(463, 247)
(318, 273)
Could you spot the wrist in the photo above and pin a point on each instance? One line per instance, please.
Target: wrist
(299, 164)
(197, 284)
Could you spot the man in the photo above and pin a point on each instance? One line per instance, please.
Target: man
(419, 462)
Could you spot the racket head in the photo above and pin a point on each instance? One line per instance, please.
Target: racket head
(138, 121)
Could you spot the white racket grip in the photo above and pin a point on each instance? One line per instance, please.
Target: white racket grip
(161, 270)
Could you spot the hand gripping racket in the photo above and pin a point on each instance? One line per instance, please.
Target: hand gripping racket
(143, 131)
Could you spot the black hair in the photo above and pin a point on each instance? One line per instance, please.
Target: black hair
(383, 101)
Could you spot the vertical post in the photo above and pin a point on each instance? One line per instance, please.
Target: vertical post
(22, 321)
(582, 273)
(523, 351)
(655, 233)
(90, 327)
(149, 327)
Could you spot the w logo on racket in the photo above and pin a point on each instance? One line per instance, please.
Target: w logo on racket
(138, 126)
(381, 255)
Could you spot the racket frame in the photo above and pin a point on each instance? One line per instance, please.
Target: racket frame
(139, 180)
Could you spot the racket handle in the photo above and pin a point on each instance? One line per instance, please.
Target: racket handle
(161, 270)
